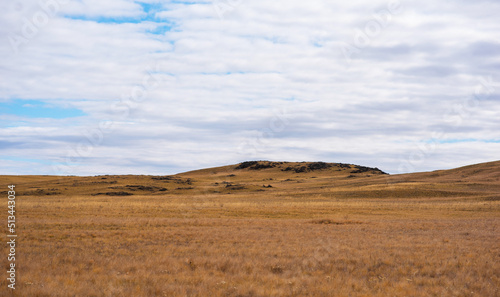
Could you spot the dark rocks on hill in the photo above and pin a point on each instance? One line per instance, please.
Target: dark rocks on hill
(306, 167)
(141, 188)
(246, 164)
(169, 178)
(299, 169)
(319, 166)
(117, 194)
(146, 188)
(235, 187)
(256, 165)
(162, 178)
(363, 169)
(309, 167)
(41, 192)
(342, 165)
(264, 166)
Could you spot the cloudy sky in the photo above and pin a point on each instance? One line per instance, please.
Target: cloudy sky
(92, 87)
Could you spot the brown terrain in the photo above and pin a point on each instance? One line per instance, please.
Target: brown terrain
(259, 229)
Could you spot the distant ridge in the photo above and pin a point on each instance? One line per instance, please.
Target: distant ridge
(268, 178)
(489, 171)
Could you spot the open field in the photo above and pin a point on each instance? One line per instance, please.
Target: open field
(260, 229)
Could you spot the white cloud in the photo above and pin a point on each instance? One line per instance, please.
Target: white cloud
(267, 81)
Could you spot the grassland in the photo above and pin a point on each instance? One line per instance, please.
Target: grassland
(263, 229)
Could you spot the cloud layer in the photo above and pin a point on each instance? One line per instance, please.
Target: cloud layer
(168, 86)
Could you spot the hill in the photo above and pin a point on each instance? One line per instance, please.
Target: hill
(259, 228)
(268, 178)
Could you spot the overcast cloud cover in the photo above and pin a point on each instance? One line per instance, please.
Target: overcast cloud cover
(157, 87)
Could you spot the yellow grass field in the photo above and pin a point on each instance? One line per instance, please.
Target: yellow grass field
(258, 229)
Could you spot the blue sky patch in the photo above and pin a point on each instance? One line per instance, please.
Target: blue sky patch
(111, 20)
(161, 29)
(151, 8)
(38, 109)
(148, 15)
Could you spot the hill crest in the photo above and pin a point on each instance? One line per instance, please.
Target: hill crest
(270, 178)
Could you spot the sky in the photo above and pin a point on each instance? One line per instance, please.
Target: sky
(92, 87)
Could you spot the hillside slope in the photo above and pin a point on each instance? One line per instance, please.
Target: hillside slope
(294, 179)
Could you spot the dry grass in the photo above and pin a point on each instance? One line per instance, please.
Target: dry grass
(311, 234)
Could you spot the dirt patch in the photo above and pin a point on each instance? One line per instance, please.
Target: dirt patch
(164, 178)
(332, 222)
(146, 188)
(235, 187)
(121, 193)
(41, 192)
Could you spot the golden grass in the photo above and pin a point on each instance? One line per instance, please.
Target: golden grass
(321, 234)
